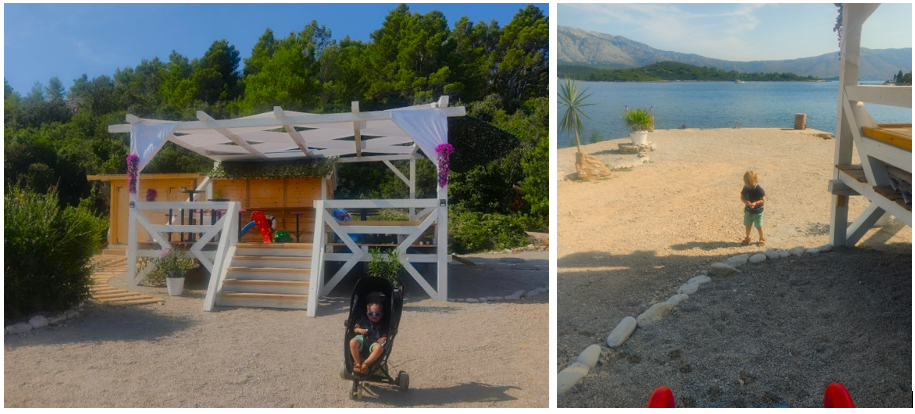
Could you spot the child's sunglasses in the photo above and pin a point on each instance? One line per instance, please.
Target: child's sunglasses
(376, 314)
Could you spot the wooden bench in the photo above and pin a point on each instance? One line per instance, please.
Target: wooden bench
(897, 135)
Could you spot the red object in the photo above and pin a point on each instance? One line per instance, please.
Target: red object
(263, 225)
(837, 397)
(662, 397)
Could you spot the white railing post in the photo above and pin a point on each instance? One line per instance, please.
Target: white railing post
(224, 254)
(316, 276)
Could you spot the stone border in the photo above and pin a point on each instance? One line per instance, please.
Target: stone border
(517, 295)
(39, 321)
(571, 375)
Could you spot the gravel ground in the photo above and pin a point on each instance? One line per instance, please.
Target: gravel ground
(633, 239)
(175, 355)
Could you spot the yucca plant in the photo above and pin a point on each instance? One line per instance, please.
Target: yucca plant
(386, 268)
(574, 101)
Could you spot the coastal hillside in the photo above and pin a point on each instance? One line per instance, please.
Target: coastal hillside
(616, 52)
(672, 71)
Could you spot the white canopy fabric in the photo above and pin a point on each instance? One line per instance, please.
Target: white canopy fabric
(146, 139)
(387, 133)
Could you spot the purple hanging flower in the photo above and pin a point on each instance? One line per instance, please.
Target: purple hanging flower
(133, 163)
(838, 27)
(151, 194)
(444, 152)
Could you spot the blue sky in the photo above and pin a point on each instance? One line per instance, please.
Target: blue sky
(740, 32)
(67, 40)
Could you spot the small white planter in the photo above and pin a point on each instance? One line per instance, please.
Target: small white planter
(175, 286)
(639, 138)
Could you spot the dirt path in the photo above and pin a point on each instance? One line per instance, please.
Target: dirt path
(175, 355)
(633, 239)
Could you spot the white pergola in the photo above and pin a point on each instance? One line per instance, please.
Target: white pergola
(385, 136)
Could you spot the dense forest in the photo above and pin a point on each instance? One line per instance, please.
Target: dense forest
(54, 137)
(669, 71)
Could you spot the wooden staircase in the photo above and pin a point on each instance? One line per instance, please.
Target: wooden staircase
(267, 275)
(111, 263)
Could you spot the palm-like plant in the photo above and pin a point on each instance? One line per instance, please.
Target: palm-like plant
(570, 97)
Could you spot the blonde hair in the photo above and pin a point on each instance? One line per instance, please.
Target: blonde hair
(749, 178)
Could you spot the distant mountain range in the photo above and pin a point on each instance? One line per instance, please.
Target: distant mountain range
(583, 47)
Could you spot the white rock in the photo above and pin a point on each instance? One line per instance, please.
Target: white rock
(532, 293)
(38, 321)
(797, 251)
(450, 299)
(737, 261)
(721, 270)
(622, 331)
(783, 253)
(654, 314)
(813, 250)
(699, 280)
(570, 376)
(494, 298)
(676, 299)
(758, 258)
(513, 297)
(518, 293)
(459, 300)
(589, 356)
(688, 288)
(826, 247)
(19, 328)
(54, 320)
(771, 254)
(71, 313)
(483, 300)
(472, 300)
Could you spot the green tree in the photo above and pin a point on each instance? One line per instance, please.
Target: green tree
(573, 101)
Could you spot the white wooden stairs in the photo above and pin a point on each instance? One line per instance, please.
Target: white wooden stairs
(267, 275)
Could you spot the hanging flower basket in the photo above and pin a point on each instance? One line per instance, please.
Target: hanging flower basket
(838, 27)
(133, 164)
(444, 152)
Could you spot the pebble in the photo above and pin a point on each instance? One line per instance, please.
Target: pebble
(513, 297)
(518, 293)
(532, 293)
(482, 300)
(71, 313)
(654, 314)
(589, 356)
(688, 288)
(494, 298)
(737, 261)
(570, 376)
(813, 250)
(700, 279)
(472, 300)
(459, 300)
(54, 320)
(38, 322)
(826, 247)
(783, 253)
(721, 270)
(772, 254)
(702, 272)
(758, 258)
(18, 328)
(450, 300)
(797, 251)
(676, 299)
(622, 331)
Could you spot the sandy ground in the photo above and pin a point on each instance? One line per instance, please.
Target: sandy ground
(630, 240)
(175, 355)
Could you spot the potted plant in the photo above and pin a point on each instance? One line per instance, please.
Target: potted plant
(173, 264)
(638, 121)
(387, 268)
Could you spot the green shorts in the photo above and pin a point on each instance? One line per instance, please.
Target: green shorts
(361, 340)
(753, 219)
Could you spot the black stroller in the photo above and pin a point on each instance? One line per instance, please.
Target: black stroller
(373, 289)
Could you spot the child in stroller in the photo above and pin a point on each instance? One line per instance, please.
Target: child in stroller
(369, 330)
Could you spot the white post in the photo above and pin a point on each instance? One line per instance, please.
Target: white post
(316, 276)
(131, 244)
(848, 75)
(324, 188)
(412, 186)
(442, 243)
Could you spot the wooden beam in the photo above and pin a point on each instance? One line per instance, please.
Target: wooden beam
(357, 133)
(379, 158)
(295, 135)
(453, 111)
(400, 175)
(204, 117)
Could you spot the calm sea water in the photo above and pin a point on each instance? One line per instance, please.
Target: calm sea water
(717, 105)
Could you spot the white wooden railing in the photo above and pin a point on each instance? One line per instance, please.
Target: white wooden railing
(433, 211)
(215, 262)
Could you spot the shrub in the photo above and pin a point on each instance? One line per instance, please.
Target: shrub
(473, 232)
(596, 137)
(48, 252)
(386, 268)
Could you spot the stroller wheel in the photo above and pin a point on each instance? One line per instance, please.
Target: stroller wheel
(355, 393)
(403, 381)
(343, 370)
